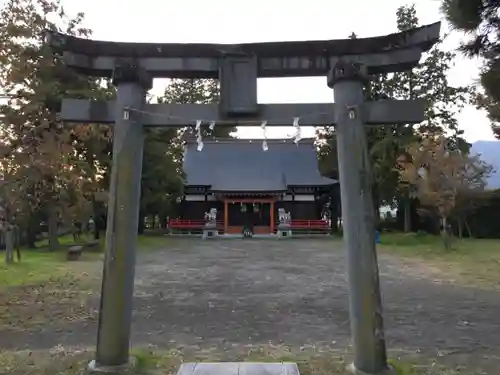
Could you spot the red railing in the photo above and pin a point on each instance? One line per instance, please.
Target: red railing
(309, 224)
(188, 224)
(185, 224)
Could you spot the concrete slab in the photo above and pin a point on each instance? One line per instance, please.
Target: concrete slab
(239, 368)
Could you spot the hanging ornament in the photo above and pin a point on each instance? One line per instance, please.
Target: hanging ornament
(422, 172)
(298, 130)
(199, 138)
(263, 125)
(352, 112)
(212, 125)
(199, 141)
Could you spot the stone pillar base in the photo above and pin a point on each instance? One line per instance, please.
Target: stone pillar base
(127, 368)
(209, 233)
(284, 233)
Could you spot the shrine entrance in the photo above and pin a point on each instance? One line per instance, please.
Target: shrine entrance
(347, 64)
(255, 214)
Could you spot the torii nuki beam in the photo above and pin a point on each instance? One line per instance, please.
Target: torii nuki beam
(178, 115)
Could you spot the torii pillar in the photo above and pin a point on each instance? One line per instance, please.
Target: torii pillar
(115, 314)
(358, 217)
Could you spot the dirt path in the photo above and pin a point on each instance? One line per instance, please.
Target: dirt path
(236, 293)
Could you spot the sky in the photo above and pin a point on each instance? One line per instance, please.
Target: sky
(238, 21)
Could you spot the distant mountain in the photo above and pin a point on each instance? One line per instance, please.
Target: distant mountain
(490, 153)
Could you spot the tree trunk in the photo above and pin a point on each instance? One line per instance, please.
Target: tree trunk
(53, 232)
(17, 241)
(459, 227)
(467, 227)
(97, 234)
(30, 237)
(407, 215)
(153, 221)
(163, 221)
(9, 244)
(140, 228)
(32, 226)
(96, 216)
(445, 235)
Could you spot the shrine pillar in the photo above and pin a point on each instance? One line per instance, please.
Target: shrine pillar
(365, 307)
(115, 312)
(226, 215)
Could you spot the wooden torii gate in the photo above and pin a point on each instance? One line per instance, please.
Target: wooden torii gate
(347, 64)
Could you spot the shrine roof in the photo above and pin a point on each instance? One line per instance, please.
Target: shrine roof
(242, 165)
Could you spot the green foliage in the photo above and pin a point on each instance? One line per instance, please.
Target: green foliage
(191, 91)
(469, 261)
(57, 174)
(162, 175)
(479, 19)
(409, 239)
(482, 220)
(40, 265)
(428, 81)
(46, 164)
(35, 267)
(196, 91)
(442, 175)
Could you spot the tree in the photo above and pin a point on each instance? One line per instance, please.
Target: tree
(442, 176)
(93, 144)
(196, 91)
(162, 176)
(40, 154)
(8, 220)
(191, 91)
(481, 21)
(428, 82)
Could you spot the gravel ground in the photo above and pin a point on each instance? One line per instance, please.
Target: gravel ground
(232, 293)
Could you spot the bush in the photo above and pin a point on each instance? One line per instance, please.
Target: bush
(409, 239)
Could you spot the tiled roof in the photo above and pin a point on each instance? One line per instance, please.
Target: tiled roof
(242, 165)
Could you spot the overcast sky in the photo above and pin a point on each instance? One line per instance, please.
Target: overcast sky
(236, 21)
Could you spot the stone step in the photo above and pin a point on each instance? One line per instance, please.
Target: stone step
(239, 368)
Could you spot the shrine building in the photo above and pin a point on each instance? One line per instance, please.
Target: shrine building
(247, 184)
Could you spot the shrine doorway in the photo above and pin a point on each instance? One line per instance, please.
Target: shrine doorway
(256, 215)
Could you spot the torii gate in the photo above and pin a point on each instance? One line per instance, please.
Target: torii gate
(347, 63)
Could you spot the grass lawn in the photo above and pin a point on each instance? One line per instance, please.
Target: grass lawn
(45, 286)
(474, 261)
(42, 266)
(60, 361)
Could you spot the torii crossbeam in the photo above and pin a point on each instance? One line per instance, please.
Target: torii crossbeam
(348, 64)
(178, 115)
